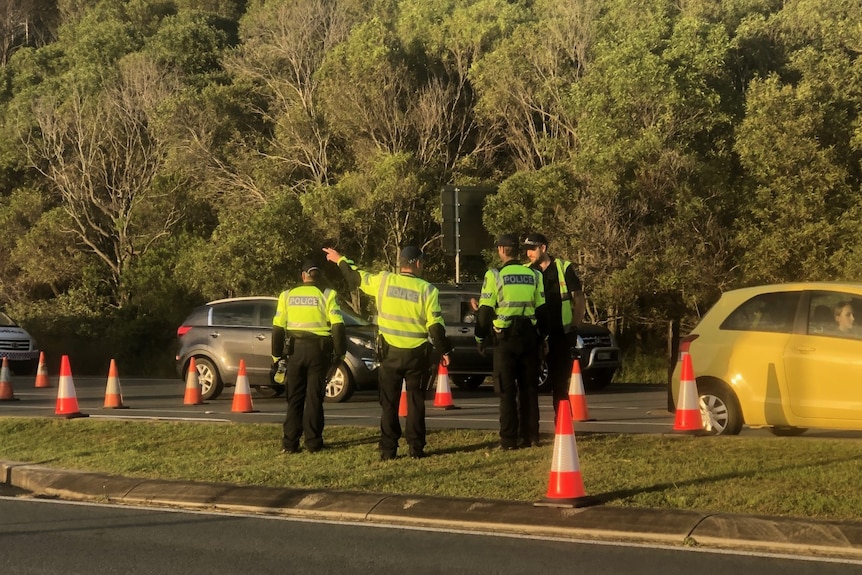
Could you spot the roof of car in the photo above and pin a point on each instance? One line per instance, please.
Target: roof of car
(798, 286)
(246, 298)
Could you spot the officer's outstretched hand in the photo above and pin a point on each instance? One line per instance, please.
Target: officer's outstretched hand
(444, 359)
(332, 255)
(480, 347)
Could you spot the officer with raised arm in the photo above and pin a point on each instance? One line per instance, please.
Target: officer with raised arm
(408, 314)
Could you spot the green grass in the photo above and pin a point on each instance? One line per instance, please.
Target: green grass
(803, 477)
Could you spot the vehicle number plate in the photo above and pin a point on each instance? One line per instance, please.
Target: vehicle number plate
(603, 355)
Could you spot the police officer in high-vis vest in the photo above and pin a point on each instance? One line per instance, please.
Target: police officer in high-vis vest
(512, 315)
(308, 331)
(408, 314)
(566, 304)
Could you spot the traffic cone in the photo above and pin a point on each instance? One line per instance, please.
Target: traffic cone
(6, 393)
(402, 404)
(42, 372)
(113, 392)
(443, 395)
(242, 392)
(565, 484)
(577, 398)
(67, 401)
(688, 417)
(193, 387)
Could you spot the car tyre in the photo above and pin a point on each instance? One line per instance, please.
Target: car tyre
(468, 382)
(209, 378)
(544, 382)
(340, 386)
(719, 408)
(787, 430)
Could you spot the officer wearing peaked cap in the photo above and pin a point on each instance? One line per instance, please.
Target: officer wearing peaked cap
(408, 314)
(511, 314)
(307, 331)
(566, 305)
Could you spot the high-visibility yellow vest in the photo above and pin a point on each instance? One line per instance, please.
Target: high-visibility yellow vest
(406, 307)
(562, 266)
(512, 291)
(306, 308)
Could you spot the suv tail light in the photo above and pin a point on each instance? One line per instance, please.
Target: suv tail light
(183, 330)
(685, 343)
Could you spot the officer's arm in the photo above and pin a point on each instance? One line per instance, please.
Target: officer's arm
(485, 314)
(438, 338)
(339, 339)
(350, 273)
(279, 321)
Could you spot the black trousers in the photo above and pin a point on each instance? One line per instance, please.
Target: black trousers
(516, 379)
(559, 361)
(411, 366)
(306, 388)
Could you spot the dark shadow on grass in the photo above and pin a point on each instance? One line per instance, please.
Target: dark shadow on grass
(702, 481)
(370, 440)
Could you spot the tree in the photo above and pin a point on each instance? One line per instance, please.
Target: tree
(103, 162)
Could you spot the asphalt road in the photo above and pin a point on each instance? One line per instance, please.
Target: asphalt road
(47, 537)
(620, 408)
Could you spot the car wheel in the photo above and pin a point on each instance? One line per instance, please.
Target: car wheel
(719, 409)
(468, 382)
(340, 386)
(544, 383)
(209, 378)
(268, 391)
(787, 430)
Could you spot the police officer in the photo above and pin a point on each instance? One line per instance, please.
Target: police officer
(309, 331)
(565, 301)
(408, 312)
(511, 311)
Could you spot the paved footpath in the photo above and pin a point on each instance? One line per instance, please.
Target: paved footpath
(595, 522)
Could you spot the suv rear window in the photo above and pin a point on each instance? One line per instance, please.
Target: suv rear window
(239, 313)
(771, 312)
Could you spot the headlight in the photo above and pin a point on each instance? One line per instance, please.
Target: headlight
(579, 344)
(361, 342)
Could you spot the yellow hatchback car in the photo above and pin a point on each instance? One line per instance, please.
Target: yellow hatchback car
(783, 356)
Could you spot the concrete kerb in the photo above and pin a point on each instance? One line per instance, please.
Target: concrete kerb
(669, 527)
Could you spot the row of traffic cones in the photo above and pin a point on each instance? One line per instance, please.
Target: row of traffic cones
(443, 394)
(67, 401)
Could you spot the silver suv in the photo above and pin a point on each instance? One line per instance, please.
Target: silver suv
(18, 347)
(599, 354)
(220, 333)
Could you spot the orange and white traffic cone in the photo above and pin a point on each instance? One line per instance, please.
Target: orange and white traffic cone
(193, 394)
(42, 372)
(113, 392)
(577, 398)
(242, 392)
(565, 484)
(688, 416)
(402, 403)
(443, 395)
(67, 400)
(6, 393)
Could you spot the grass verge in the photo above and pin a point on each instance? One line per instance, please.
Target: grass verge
(802, 477)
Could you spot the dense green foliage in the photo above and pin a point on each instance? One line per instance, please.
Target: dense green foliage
(158, 153)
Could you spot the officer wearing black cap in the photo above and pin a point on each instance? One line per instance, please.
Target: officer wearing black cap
(566, 304)
(408, 314)
(511, 311)
(307, 330)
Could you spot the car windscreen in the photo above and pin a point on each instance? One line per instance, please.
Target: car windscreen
(6, 321)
